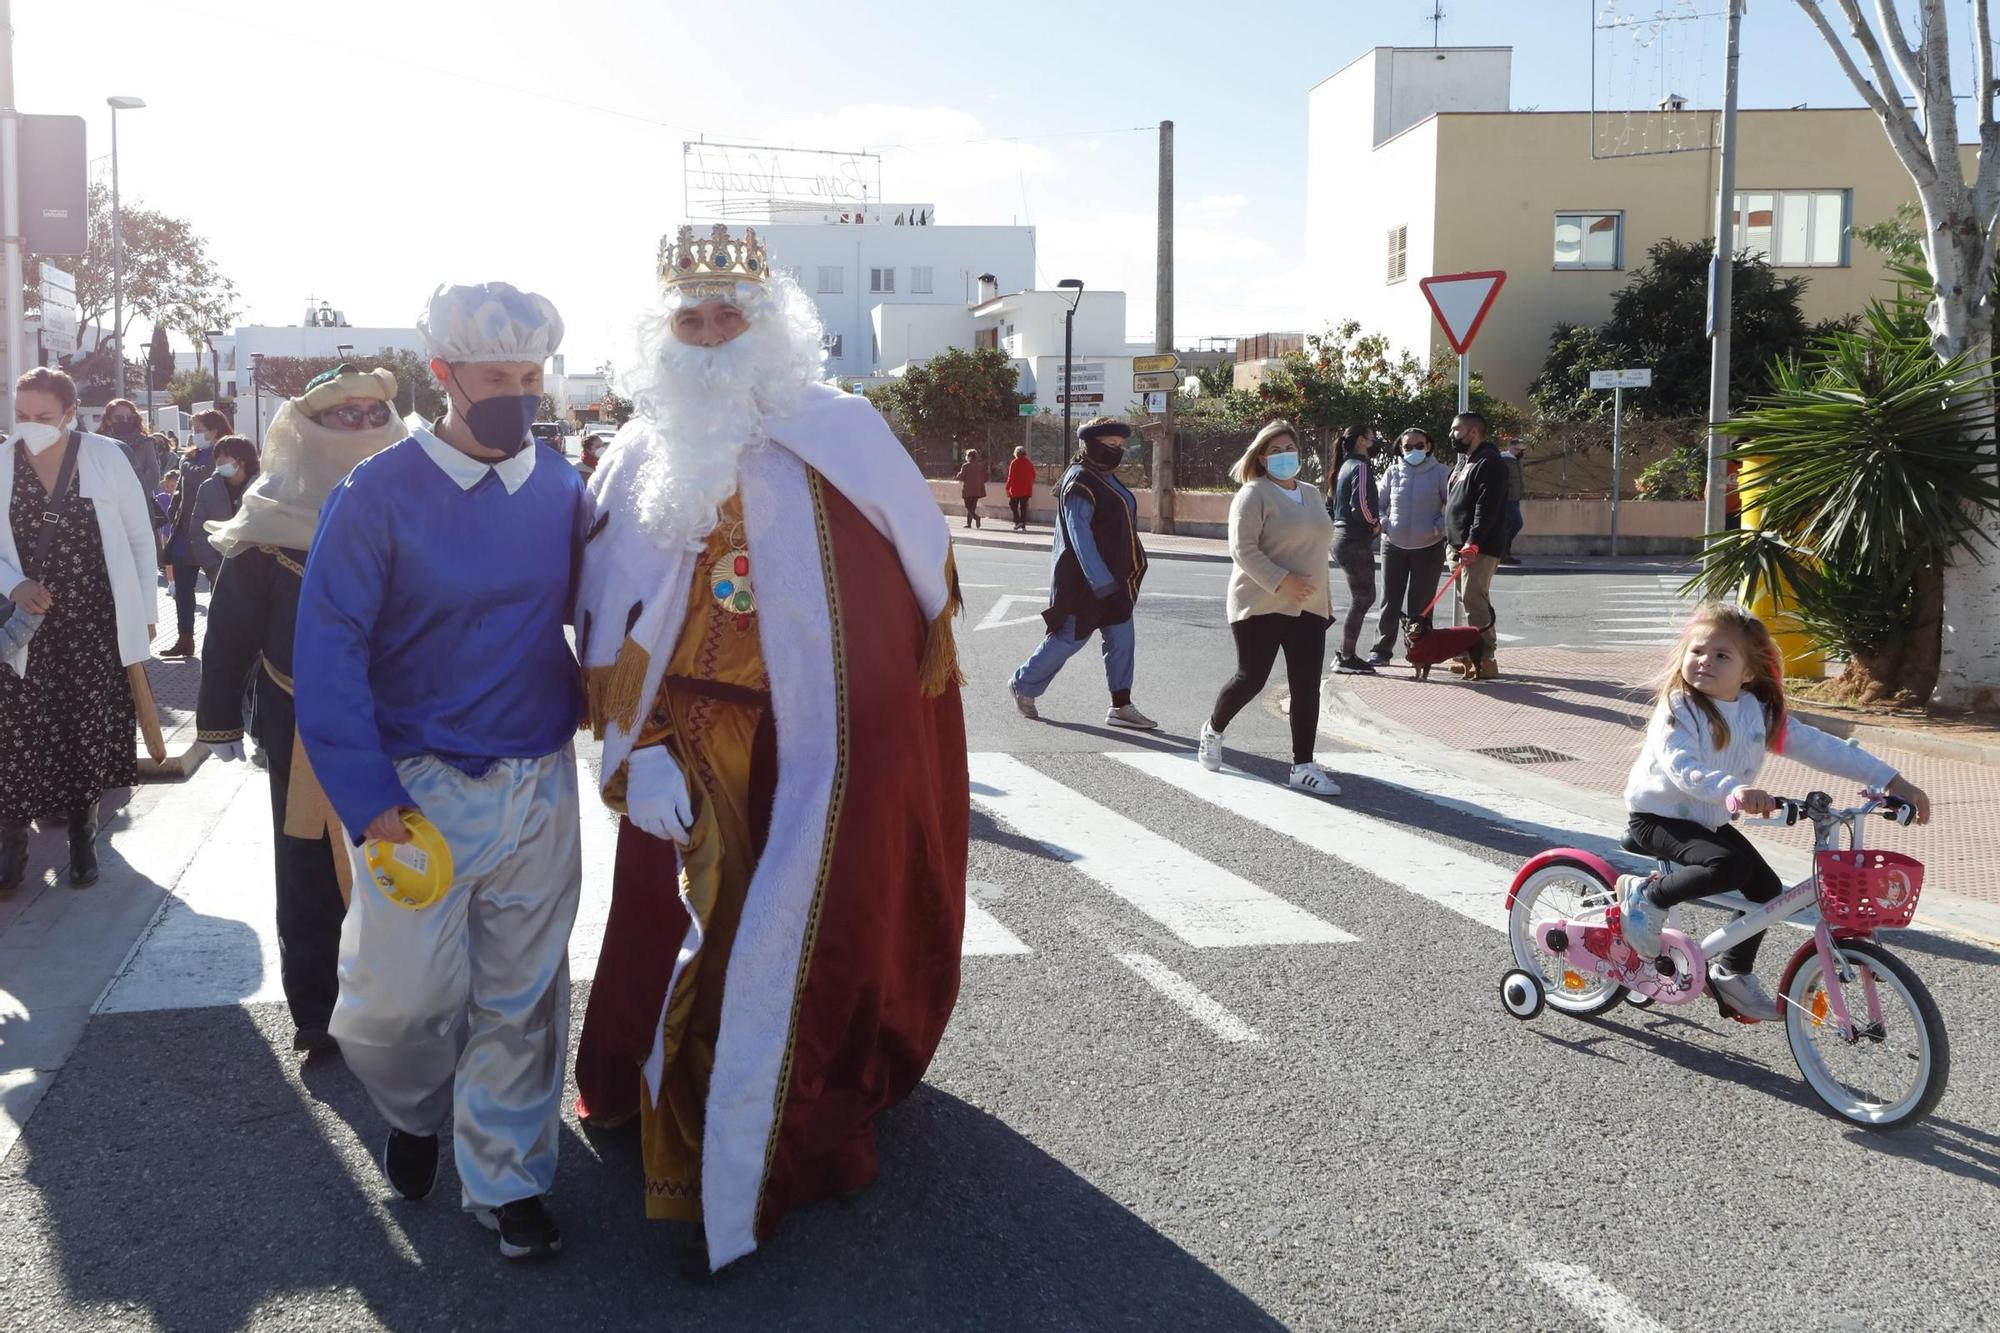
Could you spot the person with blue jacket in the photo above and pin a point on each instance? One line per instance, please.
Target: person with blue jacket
(1414, 490)
(1098, 567)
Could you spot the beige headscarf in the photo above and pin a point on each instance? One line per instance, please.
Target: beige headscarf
(302, 462)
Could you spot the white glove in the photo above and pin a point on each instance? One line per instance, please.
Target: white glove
(230, 752)
(656, 795)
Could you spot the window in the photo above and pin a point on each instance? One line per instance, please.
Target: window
(1590, 240)
(829, 280)
(830, 344)
(985, 338)
(881, 279)
(1793, 228)
(920, 281)
(1399, 253)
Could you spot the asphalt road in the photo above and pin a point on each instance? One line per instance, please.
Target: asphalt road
(1203, 1074)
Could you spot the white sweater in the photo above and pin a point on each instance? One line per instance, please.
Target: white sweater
(1680, 774)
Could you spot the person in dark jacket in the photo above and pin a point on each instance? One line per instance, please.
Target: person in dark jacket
(312, 443)
(972, 479)
(221, 496)
(1510, 455)
(1099, 566)
(1476, 522)
(1356, 511)
(181, 553)
(121, 422)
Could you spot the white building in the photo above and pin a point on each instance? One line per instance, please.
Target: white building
(850, 263)
(1028, 327)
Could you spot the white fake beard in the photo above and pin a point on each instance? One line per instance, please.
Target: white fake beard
(699, 409)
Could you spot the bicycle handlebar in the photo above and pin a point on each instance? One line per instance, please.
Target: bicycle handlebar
(1819, 805)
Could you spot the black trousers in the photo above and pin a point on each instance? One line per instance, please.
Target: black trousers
(1707, 861)
(1409, 580)
(1258, 640)
(309, 907)
(1019, 504)
(1355, 554)
(185, 573)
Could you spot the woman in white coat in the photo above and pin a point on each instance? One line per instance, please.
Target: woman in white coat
(67, 723)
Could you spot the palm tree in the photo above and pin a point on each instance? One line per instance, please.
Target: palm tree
(1870, 456)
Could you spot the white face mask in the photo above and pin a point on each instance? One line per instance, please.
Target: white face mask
(225, 470)
(39, 436)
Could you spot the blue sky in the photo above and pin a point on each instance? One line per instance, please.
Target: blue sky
(365, 151)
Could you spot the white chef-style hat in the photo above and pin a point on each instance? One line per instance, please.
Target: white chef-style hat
(489, 321)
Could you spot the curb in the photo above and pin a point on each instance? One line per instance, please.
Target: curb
(1964, 919)
(1848, 727)
(1637, 567)
(960, 537)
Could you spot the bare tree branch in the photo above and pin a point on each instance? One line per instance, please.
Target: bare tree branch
(1896, 118)
(1988, 179)
(1908, 62)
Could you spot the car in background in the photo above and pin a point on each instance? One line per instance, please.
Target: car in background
(550, 433)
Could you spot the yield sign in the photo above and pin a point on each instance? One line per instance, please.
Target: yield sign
(1460, 302)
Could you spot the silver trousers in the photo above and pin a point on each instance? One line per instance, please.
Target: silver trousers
(458, 1014)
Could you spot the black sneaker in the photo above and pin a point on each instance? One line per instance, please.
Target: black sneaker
(1347, 664)
(313, 1040)
(1378, 658)
(411, 1163)
(526, 1229)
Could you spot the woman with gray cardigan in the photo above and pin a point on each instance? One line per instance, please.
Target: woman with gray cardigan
(1413, 496)
(1279, 536)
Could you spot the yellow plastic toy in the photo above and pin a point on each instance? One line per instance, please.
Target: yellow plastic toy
(411, 874)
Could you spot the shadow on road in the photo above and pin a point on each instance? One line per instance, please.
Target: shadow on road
(184, 1176)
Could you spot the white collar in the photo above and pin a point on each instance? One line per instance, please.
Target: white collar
(468, 471)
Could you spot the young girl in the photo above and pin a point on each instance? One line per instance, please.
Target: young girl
(1721, 709)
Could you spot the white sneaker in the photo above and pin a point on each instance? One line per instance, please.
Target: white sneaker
(1313, 780)
(1130, 718)
(1742, 992)
(1024, 703)
(1210, 751)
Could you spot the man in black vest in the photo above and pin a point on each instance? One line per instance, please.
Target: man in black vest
(1099, 566)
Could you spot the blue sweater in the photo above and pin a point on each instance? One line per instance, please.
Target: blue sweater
(431, 622)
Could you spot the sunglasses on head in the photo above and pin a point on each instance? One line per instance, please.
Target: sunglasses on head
(352, 417)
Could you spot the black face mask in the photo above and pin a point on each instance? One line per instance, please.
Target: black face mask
(1105, 453)
(124, 428)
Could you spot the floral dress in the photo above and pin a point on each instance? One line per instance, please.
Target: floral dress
(67, 728)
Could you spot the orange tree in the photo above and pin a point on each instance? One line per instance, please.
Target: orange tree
(953, 395)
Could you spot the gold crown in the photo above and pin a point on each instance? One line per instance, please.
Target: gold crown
(714, 266)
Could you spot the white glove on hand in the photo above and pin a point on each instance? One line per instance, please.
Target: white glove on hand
(656, 795)
(230, 752)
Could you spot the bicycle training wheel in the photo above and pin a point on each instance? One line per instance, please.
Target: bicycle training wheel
(1561, 890)
(1891, 1074)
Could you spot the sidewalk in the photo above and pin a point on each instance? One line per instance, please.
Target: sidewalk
(1576, 717)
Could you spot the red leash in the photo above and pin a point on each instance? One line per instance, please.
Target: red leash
(1456, 570)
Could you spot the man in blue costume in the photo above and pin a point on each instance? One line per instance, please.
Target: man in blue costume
(433, 676)
(1099, 566)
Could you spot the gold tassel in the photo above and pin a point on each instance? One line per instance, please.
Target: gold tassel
(941, 671)
(613, 692)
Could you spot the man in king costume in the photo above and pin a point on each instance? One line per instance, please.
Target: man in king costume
(765, 623)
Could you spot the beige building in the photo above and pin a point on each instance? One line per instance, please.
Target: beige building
(1416, 166)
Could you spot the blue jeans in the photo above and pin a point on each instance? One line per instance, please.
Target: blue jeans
(1040, 670)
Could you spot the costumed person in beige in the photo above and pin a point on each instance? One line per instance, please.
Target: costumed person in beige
(765, 623)
(1279, 537)
(314, 441)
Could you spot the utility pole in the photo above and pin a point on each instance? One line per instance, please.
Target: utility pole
(1721, 285)
(1163, 335)
(10, 213)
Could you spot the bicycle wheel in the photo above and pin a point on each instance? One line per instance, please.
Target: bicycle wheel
(1889, 1075)
(1561, 890)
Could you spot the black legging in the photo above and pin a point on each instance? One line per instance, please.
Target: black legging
(1707, 861)
(186, 572)
(1354, 552)
(1019, 504)
(1258, 639)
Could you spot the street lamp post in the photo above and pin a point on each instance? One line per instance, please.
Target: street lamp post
(214, 366)
(1069, 327)
(256, 399)
(118, 104)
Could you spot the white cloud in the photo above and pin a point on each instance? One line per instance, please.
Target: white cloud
(1220, 207)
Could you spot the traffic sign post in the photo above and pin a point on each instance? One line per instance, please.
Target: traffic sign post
(1460, 302)
(1618, 381)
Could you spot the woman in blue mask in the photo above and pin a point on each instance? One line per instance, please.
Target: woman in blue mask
(1279, 599)
(1356, 511)
(1413, 496)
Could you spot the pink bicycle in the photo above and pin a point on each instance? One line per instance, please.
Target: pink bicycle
(1866, 1034)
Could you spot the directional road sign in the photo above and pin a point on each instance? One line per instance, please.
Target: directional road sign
(1164, 361)
(1155, 379)
(1460, 302)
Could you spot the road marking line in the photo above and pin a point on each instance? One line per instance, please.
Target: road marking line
(985, 937)
(1475, 889)
(1183, 992)
(998, 618)
(1202, 904)
(1595, 1299)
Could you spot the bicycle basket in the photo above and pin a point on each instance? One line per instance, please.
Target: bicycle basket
(1868, 890)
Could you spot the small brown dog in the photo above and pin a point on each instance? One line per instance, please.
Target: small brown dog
(1425, 645)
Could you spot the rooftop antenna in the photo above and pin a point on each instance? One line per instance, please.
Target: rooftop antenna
(1436, 19)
